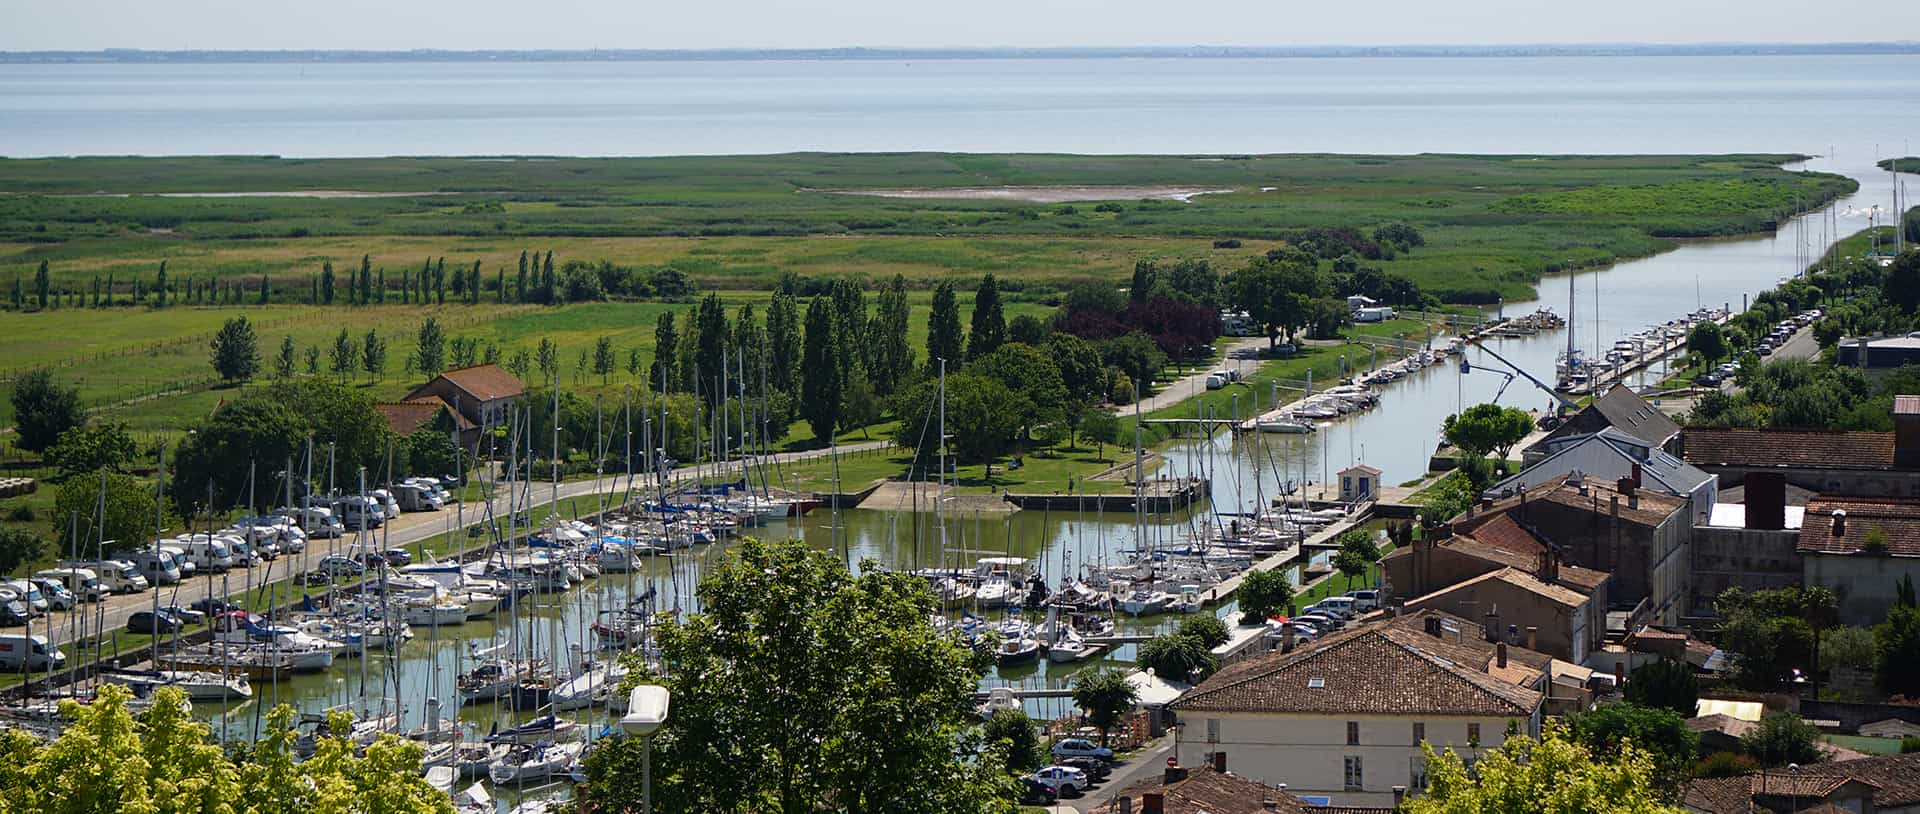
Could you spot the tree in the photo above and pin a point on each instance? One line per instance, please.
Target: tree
(1028, 329)
(1104, 428)
(1897, 651)
(1555, 775)
(821, 389)
(430, 356)
(373, 355)
(1663, 733)
(326, 283)
(432, 452)
(19, 546)
(43, 410)
(43, 284)
(129, 503)
(1032, 376)
(1901, 286)
(945, 342)
(1357, 553)
(1275, 290)
(859, 407)
(783, 342)
(1206, 627)
(711, 333)
(892, 354)
(1136, 355)
(345, 355)
(665, 339)
(1105, 696)
(989, 329)
(283, 364)
(1766, 635)
(236, 356)
(1016, 735)
(1178, 657)
(1783, 738)
(90, 448)
(1668, 685)
(1708, 342)
(1485, 428)
(603, 360)
(1263, 594)
(312, 355)
(799, 688)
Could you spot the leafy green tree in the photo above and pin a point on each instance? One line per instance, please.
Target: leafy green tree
(1018, 738)
(326, 283)
(1708, 342)
(665, 339)
(43, 284)
(345, 355)
(1104, 428)
(1897, 663)
(431, 452)
(1605, 729)
(603, 361)
(1485, 428)
(783, 342)
(801, 688)
(1783, 738)
(283, 364)
(859, 407)
(945, 339)
(1262, 595)
(1028, 329)
(711, 333)
(1105, 696)
(1178, 657)
(1901, 286)
(312, 355)
(989, 329)
(821, 389)
(1555, 775)
(1668, 685)
(90, 448)
(128, 519)
(430, 354)
(892, 353)
(1766, 635)
(1136, 355)
(1206, 627)
(44, 410)
(1032, 376)
(236, 354)
(19, 546)
(373, 355)
(1275, 290)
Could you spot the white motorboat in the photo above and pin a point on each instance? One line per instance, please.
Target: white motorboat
(582, 690)
(994, 593)
(1071, 647)
(524, 762)
(441, 611)
(1283, 424)
(1144, 601)
(474, 800)
(199, 685)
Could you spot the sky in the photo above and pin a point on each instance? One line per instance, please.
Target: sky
(581, 24)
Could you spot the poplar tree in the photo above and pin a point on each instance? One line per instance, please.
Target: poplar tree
(380, 291)
(892, 354)
(665, 342)
(160, 287)
(944, 338)
(820, 383)
(266, 290)
(366, 279)
(440, 281)
(42, 283)
(430, 355)
(283, 364)
(783, 342)
(326, 283)
(519, 281)
(989, 329)
(373, 355)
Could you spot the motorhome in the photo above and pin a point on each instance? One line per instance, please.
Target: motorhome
(359, 513)
(27, 592)
(81, 581)
(120, 576)
(389, 507)
(159, 567)
(22, 652)
(207, 552)
(180, 562)
(417, 497)
(316, 521)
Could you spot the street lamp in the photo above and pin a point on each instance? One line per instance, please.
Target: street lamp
(646, 711)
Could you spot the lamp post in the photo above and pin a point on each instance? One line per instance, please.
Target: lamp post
(646, 711)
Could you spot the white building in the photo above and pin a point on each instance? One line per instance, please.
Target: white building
(1343, 718)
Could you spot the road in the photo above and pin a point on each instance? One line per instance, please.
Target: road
(62, 627)
(1241, 355)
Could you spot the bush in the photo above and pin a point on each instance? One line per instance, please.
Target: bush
(1229, 243)
(1023, 743)
(22, 513)
(1910, 744)
(1724, 764)
(1207, 628)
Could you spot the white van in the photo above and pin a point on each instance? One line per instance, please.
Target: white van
(316, 521)
(208, 553)
(22, 652)
(81, 581)
(417, 497)
(389, 507)
(28, 593)
(178, 552)
(359, 513)
(120, 576)
(159, 567)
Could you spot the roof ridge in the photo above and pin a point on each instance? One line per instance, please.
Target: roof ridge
(1474, 678)
(1287, 660)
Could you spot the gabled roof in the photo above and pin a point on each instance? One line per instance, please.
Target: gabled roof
(1378, 669)
(1361, 468)
(1893, 781)
(1621, 409)
(483, 383)
(1898, 519)
(1516, 578)
(408, 417)
(1788, 449)
(1205, 791)
(1611, 453)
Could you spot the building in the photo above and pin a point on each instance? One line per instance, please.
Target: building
(1343, 718)
(1620, 409)
(1359, 483)
(1208, 789)
(1882, 353)
(1751, 544)
(480, 394)
(1864, 464)
(405, 418)
(1558, 621)
(1888, 784)
(1860, 548)
(1611, 454)
(1638, 536)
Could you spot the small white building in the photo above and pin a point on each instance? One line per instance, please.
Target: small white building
(1358, 483)
(1376, 314)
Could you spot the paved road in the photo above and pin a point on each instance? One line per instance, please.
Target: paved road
(1145, 764)
(1801, 345)
(111, 616)
(1241, 355)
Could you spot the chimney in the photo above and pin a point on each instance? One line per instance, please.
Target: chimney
(1533, 637)
(1906, 432)
(1551, 572)
(1500, 655)
(1432, 625)
(1625, 485)
(1174, 775)
(1513, 635)
(1491, 624)
(1766, 501)
(1636, 473)
(1486, 504)
(1220, 761)
(1839, 522)
(1153, 802)
(1399, 796)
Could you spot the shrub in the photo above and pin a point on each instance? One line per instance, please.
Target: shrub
(1724, 764)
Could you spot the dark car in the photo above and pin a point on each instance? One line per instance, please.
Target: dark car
(398, 557)
(1034, 792)
(150, 622)
(212, 606)
(1096, 769)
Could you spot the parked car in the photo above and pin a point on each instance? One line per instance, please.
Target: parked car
(1064, 780)
(1096, 769)
(1322, 622)
(187, 616)
(1036, 793)
(212, 605)
(397, 557)
(1080, 747)
(338, 566)
(155, 623)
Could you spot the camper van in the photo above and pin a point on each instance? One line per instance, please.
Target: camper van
(389, 507)
(28, 593)
(21, 652)
(417, 497)
(208, 553)
(159, 567)
(316, 521)
(120, 576)
(84, 584)
(179, 553)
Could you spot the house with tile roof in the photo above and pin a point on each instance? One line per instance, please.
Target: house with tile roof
(480, 394)
(1887, 784)
(405, 418)
(1860, 548)
(1612, 454)
(1515, 605)
(1343, 718)
(1863, 464)
(1621, 410)
(1208, 789)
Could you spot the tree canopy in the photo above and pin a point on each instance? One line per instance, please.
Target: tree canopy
(1105, 696)
(1263, 594)
(236, 351)
(1485, 428)
(1555, 775)
(1668, 685)
(44, 409)
(1662, 732)
(1276, 289)
(129, 516)
(801, 688)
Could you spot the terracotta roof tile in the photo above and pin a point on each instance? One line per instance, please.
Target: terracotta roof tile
(485, 382)
(1898, 519)
(1518, 579)
(408, 417)
(1375, 669)
(1895, 780)
(1802, 449)
(1206, 791)
(1505, 532)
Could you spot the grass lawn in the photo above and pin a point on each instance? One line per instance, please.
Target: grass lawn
(1871, 746)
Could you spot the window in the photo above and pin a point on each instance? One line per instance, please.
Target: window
(1473, 735)
(1417, 773)
(1419, 732)
(1213, 730)
(1353, 733)
(1354, 779)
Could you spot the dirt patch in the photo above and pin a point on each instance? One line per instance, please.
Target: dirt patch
(1042, 195)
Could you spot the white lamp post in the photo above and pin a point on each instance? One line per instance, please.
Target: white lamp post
(646, 711)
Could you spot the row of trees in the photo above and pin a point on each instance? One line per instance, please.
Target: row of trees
(1780, 637)
(1803, 394)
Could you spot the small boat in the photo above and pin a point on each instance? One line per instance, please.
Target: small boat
(533, 761)
(1283, 424)
(1024, 650)
(199, 685)
(545, 728)
(473, 759)
(439, 611)
(994, 593)
(580, 691)
(474, 800)
(1072, 647)
(1144, 601)
(442, 778)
